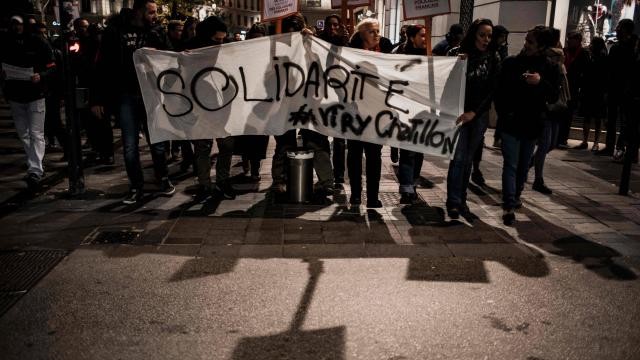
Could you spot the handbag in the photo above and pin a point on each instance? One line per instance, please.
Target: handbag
(562, 104)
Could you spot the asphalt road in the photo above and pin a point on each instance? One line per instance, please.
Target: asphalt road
(122, 302)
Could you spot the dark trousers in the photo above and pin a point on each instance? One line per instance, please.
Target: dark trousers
(339, 148)
(284, 143)
(477, 158)
(614, 109)
(99, 132)
(133, 118)
(321, 156)
(202, 157)
(373, 154)
(566, 120)
(410, 167)
(53, 128)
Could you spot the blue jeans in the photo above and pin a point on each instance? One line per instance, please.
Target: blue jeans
(133, 118)
(469, 138)
(410, 166)
(517, 155)
(546, 143)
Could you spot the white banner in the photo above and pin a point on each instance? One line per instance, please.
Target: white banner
(275, 9)
(416, 9)
(272, 84)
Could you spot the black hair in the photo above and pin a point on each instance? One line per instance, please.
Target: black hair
(500, 30)
(468, 43)
(173, 24)
(555, 36)
(141, 4)
(575, 35)
(454, 31)
(412, 31)
(255, 29)
(627, 25)
(542, 35)
(76, 21)
(209, 27)
(334, 16)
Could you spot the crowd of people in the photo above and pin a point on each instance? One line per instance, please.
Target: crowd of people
(535, 94)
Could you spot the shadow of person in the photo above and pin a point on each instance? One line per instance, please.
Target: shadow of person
(559, 241)
(294, 342)
(470, 247)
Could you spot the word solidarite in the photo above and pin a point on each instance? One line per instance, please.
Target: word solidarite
(335, 77)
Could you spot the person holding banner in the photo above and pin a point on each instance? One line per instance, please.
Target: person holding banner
(116, 75)
(411, 161)
(212, 31)
(311, 140)
(482, 72)
(367, 37)
(335, 33)
(527, 83)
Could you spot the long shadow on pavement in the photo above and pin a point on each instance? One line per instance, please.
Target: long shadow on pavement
(294, 342)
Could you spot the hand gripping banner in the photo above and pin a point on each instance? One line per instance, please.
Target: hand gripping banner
(268, 85)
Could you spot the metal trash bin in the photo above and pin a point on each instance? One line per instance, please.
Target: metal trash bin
(300, 184)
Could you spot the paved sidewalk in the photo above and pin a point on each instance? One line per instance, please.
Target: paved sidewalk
(584, 210)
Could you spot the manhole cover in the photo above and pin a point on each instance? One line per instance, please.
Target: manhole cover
(120, 235)
(21, 270)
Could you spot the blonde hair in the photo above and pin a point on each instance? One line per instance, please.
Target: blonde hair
(362, 25)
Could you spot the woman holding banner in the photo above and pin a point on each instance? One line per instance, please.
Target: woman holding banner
(367, 37)
(482, 72)
(411, 161)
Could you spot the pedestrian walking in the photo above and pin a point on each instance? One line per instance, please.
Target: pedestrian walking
(116, 76)
(556, 112)
(27, 62)
(527, 83)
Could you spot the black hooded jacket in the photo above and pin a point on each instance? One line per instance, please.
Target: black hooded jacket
(115, 71)
(521, 106)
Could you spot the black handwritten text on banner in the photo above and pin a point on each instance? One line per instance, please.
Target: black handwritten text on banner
(272, 84)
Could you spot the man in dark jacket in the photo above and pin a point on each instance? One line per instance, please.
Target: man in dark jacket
(116, 76)
(526, 84)
(451, 40)
(31, 54)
